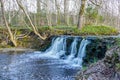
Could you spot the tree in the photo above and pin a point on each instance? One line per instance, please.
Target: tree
(57, 5)
(12, 38)
(34, 27)
(66, 11)
(38, 11)
(48, 13)
(81, 13)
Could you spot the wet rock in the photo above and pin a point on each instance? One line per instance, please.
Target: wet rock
(104, 69)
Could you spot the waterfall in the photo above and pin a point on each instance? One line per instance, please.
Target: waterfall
(59, 48)
(73, 49)
(81, 52)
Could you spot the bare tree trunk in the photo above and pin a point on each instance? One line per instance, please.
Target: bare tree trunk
(48, 13)
(34, 28)
(74, 19)
(38, 12)
(9, 14)
(81, 13)
(56, 15)
(118, 19)
(1, 19)
(58, 12)
(12, 38)
(35, 19)
(66, 11)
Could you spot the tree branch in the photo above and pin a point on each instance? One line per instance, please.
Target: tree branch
(95, 3)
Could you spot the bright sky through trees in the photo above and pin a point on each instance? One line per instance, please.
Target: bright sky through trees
(32, 7)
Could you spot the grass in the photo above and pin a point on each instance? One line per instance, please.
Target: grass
(89, 30)
(86, 30)
(98, 30)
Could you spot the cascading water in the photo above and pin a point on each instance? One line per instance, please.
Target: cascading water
(81, 52)
(58, 49)
(73, 49)
(59, 62)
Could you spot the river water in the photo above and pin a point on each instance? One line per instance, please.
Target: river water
(35, 66)
(61, 61)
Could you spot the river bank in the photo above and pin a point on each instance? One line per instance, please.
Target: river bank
(69, 51)
(26, 37)
(16, 50)
(106, 69)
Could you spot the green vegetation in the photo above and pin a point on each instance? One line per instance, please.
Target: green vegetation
(118, 66)
(30, 37)
(98, 30)
(92, 15)
(117, 41)
(84, 68)
(89, 30)
(72, 30)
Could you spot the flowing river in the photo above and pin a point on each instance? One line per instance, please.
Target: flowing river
(61, 61)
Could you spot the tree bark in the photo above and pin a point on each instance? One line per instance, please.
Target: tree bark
(81, 14)
(58, 12)
(12, 38)
(48, 13)
(38, 18)
(66, 12)
(9, 13)
(74, 19)
(34, 28)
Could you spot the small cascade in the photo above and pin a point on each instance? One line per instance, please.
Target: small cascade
(82, 49)
(73, 49)
(59, 48)
(81, 52)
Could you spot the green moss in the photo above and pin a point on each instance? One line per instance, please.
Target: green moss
(84, 68)
(117, 41)
(118, 66)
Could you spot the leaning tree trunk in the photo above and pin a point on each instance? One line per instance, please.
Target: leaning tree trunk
(12, 38)
(34, 28)
(81, 13)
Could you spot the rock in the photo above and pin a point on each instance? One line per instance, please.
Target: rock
(104, 69)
